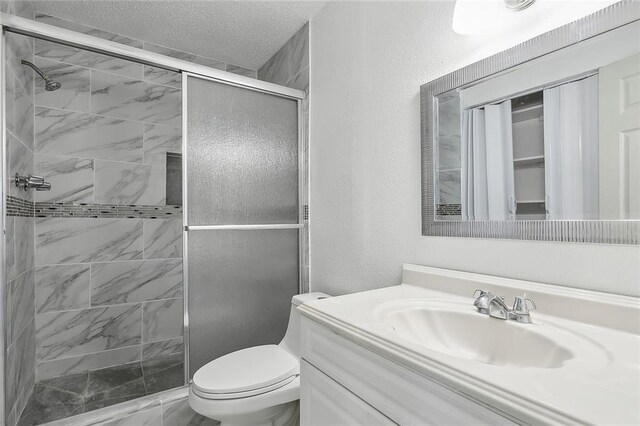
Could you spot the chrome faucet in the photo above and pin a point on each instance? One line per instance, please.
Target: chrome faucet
(495, 306)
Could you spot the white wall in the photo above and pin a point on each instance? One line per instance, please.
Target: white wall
(368, 61)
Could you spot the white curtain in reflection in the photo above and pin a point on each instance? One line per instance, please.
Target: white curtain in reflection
(571, 150)
(488, 187)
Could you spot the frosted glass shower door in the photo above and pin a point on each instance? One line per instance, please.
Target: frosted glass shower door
(242, 217)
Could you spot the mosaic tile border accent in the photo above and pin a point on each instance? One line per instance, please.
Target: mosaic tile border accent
(19, 207)
(94, 210)
(449, 209)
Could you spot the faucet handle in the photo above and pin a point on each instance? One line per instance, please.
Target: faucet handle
(35, 180)
(520, 311)
(44, 186)
(482, 301)
(482, 293)
(521, 305)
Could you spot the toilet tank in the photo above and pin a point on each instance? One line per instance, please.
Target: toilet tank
(291, 340)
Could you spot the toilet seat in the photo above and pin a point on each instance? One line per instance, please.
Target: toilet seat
(235, 395)
(247, 372)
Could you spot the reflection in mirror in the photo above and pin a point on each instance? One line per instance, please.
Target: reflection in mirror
(557, 138)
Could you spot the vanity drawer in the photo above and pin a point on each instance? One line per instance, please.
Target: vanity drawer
(324, 402)
(402, 395)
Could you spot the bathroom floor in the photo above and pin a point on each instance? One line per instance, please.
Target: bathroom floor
(65, 396)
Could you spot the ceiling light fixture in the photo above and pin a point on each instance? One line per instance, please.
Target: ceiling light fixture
(491, 17)
(518, 5)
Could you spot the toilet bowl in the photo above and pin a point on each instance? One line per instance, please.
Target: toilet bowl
(259, 385)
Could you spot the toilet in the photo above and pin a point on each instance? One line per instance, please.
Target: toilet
(255, 386)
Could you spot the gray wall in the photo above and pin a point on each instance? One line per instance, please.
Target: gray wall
(19, 246)
(108, 251)
(289, 66)
(19, 238)
(449, 190)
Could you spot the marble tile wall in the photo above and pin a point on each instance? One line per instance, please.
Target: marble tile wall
(289, 67)
(107, 291)
(107, 283)
(90, 134)
(449, 147)
(19, 232)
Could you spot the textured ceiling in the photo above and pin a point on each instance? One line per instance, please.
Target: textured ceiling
(245, 33)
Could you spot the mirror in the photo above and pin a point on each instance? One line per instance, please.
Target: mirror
(556, 138)
(553, 138)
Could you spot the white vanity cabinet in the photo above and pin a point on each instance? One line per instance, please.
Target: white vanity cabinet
(326, 402)
(343, 383)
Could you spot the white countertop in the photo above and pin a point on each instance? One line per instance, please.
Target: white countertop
(599, 385)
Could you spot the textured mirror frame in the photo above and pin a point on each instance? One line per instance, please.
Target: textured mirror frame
(585, 231)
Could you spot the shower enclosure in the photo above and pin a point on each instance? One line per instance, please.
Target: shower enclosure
(170, 233)
(242, 217)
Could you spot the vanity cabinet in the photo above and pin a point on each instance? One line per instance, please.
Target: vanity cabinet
(343, 383)
(326, 402)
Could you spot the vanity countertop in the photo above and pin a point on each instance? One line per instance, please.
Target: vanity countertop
(599, 384)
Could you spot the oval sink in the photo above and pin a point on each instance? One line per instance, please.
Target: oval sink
(462, 332)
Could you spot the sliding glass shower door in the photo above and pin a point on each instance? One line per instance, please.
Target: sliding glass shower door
(242, 217)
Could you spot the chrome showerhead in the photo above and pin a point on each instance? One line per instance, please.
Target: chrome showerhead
(49, 85)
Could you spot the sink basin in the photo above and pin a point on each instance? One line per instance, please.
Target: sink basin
(458, 330)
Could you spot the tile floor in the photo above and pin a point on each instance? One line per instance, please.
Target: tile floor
(60, 397)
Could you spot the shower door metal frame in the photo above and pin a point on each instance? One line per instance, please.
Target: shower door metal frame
(3, 209)
(185, 206)
(66, 37)
(31, 28)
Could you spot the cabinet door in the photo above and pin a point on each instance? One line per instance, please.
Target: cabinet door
(323, 402)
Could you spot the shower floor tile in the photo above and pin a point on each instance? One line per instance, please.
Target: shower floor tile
(60, 397)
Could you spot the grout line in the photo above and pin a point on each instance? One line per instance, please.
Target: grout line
(104, 116)
(90, 307)
(106, 261)
(114, 305)
(90, 301)
(292, 78)
(165, 340)
(141, 332)
(107, 72)
(144, 143)
(45, 361)
(90, 90)
(21, 142)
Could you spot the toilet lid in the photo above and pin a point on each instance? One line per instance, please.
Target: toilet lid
(246, 370)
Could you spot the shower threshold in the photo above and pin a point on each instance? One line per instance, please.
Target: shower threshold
(65, 396)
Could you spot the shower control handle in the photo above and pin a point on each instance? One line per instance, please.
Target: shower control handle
(45, 186)
(35, 180)
(32, 181)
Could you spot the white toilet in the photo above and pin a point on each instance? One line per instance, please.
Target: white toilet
(254, 386)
